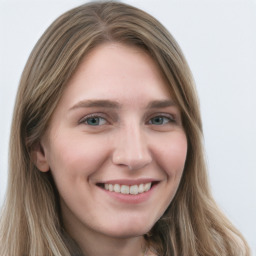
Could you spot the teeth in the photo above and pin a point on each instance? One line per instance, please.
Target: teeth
(141, 188)
(134, 190)
(117, 188)
(124, 189)
(147, 186)
(110, 187)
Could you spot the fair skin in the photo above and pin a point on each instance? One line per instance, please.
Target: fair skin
(115, 127)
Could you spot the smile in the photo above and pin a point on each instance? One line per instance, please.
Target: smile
(125, 189)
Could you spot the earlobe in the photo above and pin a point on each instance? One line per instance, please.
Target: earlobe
(39, 158)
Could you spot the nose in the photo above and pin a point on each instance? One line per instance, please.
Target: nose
(131, 149)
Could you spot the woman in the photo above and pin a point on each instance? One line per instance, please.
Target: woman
(106, 153)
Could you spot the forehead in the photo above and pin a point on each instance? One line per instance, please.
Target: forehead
(119, 72)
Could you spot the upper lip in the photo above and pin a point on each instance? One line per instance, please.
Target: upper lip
(129, 182)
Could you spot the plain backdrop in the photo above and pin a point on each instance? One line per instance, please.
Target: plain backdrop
(218, 38)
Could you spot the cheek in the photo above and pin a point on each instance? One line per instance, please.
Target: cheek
(72, 156)
(172, 154)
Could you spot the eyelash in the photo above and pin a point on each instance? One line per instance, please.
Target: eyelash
(165, 118)
(84, 120)
(170, 118)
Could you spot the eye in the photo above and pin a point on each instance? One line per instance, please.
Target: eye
(161, 120)
(94, 120)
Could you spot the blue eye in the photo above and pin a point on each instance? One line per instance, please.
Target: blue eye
(95, 121)
(160, 120)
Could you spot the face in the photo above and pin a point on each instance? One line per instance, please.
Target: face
(115, 145)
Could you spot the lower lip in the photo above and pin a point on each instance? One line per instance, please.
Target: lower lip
(130, 199)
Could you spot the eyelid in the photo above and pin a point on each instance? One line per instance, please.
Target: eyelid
(100, 115)
(172, 117)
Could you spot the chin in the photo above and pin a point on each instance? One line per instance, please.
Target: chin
(124, 234)
(128, 230)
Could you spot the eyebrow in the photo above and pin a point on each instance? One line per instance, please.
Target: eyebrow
(96, 103)
(161, 104)
(115, 104)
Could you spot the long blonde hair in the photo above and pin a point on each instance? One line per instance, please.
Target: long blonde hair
(30, 221)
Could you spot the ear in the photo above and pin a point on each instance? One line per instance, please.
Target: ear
(39, 158)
